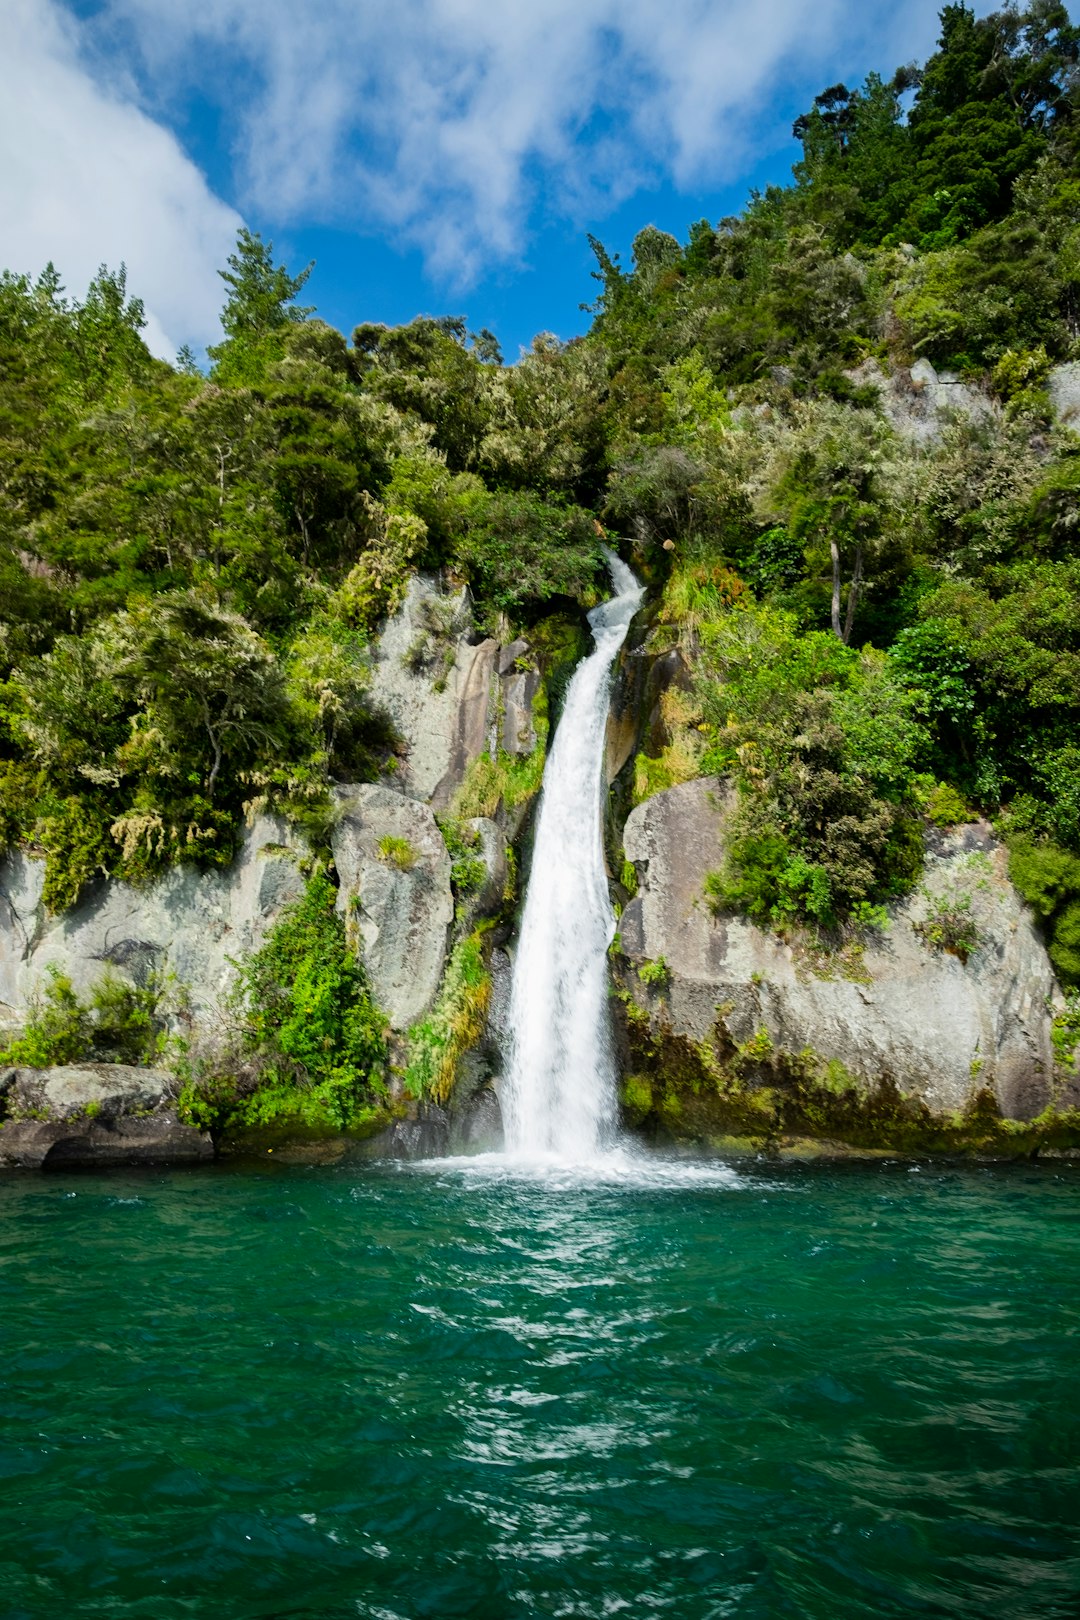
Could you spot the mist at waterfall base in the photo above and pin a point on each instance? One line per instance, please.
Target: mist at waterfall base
(399, 1393)
(558, 1096)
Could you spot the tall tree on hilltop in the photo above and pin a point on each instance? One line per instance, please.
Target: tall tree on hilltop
(258, 309)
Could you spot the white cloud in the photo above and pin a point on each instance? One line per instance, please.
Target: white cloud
(449, 121)
(88, 178)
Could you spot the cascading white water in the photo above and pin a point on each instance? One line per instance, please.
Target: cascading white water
(559, 1094)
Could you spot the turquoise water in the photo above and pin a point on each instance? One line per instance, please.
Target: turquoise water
(432, 1391)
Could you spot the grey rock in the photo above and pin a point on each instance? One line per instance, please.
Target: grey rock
(919, 403)
(518, 730)
(501, 969)
(403, 916)
(94, 1113)
(425, 1136)
(1063, 385)
(440, 714)
(158, 1139)
(479, 1128)
(491, 849)
(190, 923)
(509, 655)
(468, 736)
(68, 1091)
(940, 1028)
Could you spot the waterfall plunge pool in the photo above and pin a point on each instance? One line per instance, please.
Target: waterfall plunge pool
(470, 1389)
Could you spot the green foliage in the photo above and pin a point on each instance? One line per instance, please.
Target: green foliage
(943, 805)
(1065, 1030)
(655, 974)
(520, 547)
(311, 1044)
(397, 852)
(825, 746)
(950, 924)
(258, 309)
(121, 1022)
(500, 778)
(438, 1042)
(1048, 877)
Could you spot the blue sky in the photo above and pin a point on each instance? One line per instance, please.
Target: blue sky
(432, 156)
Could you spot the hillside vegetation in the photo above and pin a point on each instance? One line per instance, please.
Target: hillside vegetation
(877, 627)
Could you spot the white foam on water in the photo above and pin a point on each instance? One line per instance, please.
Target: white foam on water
(614, 1168)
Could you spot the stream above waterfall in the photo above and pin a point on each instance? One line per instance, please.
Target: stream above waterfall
(413, 1393)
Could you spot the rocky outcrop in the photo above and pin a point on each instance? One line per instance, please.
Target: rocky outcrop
(919, 402)
(448, 697)
(938, 1029)
(96, 1113)
(1063, 386)
(435, 686)
(190, 923)
(394, 873)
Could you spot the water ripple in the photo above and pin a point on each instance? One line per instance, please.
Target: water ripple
(497, 1390)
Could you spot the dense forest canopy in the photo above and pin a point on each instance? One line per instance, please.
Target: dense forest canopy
(877, 626)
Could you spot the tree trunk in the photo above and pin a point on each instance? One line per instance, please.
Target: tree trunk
(834, 551)
(853, 596)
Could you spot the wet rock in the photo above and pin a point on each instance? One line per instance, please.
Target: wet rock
(425, 1136)
(159, 1139)
(400, 900)
(941, 1029)
(479, 1128)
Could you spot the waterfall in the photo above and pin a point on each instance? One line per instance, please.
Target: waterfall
(559, 1093)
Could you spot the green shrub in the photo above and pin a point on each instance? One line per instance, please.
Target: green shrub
(438, 1042)
(500, 778)
(119, 1023)
(1048, 878)
(940, 802)
(654, 973)
(397, 852)
(58, 1029)
(311, 1042)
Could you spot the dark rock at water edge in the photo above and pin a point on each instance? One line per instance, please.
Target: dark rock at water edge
(95, 1114)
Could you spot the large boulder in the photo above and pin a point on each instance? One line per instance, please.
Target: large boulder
(189, 923)
(93, 1113)
(938, 1028)
(394, 872)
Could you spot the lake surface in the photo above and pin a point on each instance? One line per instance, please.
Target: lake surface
(412, 1391)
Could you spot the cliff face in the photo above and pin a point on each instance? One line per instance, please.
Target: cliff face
(448, 698)
(726, 1032)
(886, 1041)
(189, 924)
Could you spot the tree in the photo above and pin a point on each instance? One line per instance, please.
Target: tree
(258, 309)
(208, 689)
